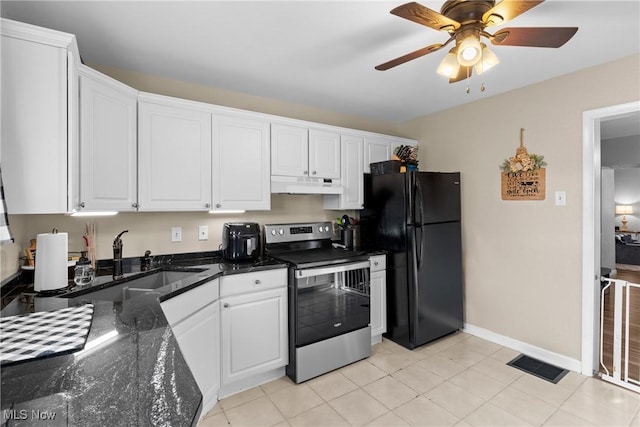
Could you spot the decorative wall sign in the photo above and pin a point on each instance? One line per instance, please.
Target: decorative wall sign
(529, 185)
(523, 176)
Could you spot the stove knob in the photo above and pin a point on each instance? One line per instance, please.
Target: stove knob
(281, 231)
(273, 232)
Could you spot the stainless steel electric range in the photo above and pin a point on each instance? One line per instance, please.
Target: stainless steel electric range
(329, 310)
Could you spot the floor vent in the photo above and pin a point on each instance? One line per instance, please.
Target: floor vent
(538, 368)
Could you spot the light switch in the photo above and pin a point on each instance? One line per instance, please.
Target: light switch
(561, 198)
(203, 232)
(176, 234)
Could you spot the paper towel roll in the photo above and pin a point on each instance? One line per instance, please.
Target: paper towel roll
(51, 261)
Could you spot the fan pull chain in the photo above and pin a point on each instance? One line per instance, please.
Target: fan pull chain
(468, 78)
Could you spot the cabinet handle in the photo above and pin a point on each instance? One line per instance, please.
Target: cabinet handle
(375, 263)
(225, 305)
(305, 172)
(257, 282)
(313, 173)
(207, 205)
(134, 205)
(218, 205)
(82, 204)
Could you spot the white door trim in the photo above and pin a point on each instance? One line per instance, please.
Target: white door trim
(591, 163)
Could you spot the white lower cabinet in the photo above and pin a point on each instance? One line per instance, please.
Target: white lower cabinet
(194, 317)
(254, 334)
(378, 289)
(253, 329)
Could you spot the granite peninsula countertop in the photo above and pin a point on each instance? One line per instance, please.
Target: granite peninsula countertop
(135, 376)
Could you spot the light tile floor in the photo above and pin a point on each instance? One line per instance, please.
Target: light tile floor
(460, 380)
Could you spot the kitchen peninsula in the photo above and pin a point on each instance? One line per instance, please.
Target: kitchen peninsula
(131, 371)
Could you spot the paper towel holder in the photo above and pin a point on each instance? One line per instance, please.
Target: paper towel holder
(51, 262)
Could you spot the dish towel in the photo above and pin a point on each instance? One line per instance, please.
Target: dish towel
(5, 232)
(43, 334)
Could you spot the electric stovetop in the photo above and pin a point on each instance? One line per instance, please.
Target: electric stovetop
(319, 256)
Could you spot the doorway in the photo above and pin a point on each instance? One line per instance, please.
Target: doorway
(591, 220)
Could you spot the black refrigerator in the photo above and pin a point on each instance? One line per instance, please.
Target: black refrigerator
(415, 218)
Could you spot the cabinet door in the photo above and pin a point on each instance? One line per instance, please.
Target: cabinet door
(174, 158)
(352, 176)
(108, 146)
(254, 334)
(289, 150)
(324, 154)
(34, 127)
(376, 150)
(199, 339)
(378, 303)
(241, 164)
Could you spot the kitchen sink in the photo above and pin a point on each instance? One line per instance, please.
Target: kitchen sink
(130, 288)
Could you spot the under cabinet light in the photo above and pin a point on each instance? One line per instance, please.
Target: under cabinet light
(226, 211)
(98, 213)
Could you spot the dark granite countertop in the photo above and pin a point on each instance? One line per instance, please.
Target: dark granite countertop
(137, 377)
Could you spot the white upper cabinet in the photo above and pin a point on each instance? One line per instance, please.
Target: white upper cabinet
(39, 119)
(174, 156)
(108, 144)
(380, 149)
(302, 152)
(352, 174)
(376, 150)
(289, 150)
(241, 177)
(324, 154)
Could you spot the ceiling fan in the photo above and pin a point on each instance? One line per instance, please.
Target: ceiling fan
(466, 21)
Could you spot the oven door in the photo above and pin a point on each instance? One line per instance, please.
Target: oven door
(329, 301)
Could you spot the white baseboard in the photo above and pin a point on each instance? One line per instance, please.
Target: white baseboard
(547, 356)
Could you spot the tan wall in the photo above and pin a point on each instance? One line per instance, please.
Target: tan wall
(522, 259)
(195, 92)
(153, 230)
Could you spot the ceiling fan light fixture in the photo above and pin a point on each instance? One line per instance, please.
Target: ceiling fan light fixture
(469, 51)
(487, 61)
(449, 66)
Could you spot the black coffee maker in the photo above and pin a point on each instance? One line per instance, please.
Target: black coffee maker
(240, 241)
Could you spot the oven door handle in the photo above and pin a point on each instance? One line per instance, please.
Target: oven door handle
(317, 271)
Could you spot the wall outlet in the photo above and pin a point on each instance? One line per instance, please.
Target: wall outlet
(203, 232)
(176, 234)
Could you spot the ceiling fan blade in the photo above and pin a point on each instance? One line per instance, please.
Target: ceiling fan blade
(423, 15)
(506, 10)
(409, 56)
(463, 73)
(533, 36)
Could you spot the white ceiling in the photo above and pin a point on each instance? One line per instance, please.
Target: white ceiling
(323, 54)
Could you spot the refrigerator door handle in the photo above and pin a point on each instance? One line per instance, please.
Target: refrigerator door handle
(418, 201)
(419, 245)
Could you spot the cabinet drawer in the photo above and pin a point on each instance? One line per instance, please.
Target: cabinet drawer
(378, 262)
(235, 284)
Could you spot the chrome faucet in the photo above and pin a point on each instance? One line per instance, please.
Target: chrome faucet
(117, 256)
